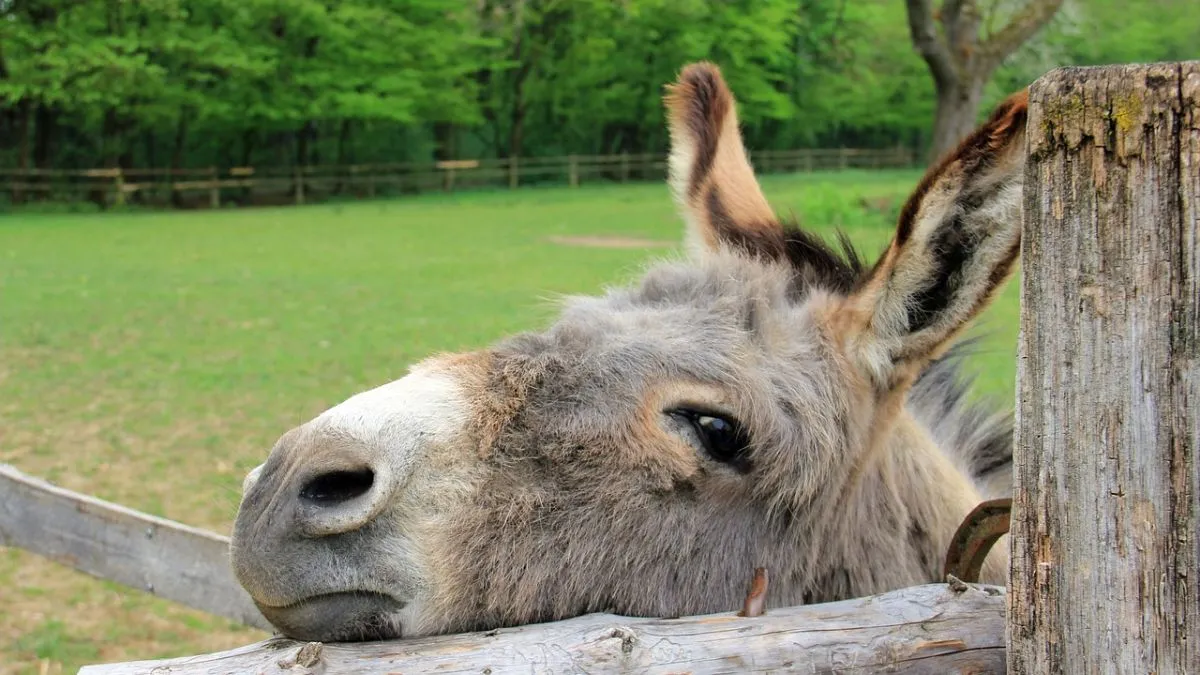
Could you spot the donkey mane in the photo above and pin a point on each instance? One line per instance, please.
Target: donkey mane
(817, 264)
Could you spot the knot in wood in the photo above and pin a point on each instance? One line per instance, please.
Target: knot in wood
(627, 637)
(309, 655)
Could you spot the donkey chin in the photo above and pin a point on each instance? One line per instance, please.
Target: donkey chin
(340, 617)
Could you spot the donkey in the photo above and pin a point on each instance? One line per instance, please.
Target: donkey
(769, 401)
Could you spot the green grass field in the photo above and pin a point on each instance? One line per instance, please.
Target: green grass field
(153, 358)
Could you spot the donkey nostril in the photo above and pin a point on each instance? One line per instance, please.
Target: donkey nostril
(336, 487)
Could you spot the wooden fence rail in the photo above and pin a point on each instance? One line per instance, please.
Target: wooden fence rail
(211, 186)
(171, 560)
(924, 629)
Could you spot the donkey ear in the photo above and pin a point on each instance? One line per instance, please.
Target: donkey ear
(710, 174)
(957, 241)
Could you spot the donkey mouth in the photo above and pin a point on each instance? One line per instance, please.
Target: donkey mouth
(349, 616)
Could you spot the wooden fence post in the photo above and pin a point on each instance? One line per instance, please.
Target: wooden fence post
(573, 171)
(299, 180)
(514, 172)
(214, 192)
(118, 187)
(624, 167)
(19, 179)
(1105, 558)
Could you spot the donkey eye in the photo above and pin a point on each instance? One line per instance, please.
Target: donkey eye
(722, 437)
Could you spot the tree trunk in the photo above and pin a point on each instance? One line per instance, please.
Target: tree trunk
(343, 151)
(249, 142)
(45, 130)
(24, 123)
(302, 138)
(961, 60)
(516, 132)
(957, 113)
(343, 142)
(443, 141)
(302, 145)
(25, 126)
(150, 147)
(110, 139)
(314, 144)
(249, 136)
(177, 150)
(1106, 510)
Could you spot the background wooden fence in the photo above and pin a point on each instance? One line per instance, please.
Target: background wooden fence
(213, 187)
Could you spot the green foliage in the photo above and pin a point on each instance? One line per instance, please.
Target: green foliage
(283, 82)
(1101, 32)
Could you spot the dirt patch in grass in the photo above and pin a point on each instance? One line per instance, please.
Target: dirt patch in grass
(605, 241)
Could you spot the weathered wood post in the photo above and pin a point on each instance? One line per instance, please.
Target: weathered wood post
(118, 186)
(573, 171)
(214, 189)
(1106, 552)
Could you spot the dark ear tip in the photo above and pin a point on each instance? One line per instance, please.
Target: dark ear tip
(699, 82)
(1009, 117)
(701, 73)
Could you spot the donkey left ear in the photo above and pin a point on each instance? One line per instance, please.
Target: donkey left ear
(957, 241)
(710, 174)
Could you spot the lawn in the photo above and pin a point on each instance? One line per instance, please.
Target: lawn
(153, 358)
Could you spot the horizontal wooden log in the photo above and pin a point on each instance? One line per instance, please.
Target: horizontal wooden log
(923, 629)
(112, 542)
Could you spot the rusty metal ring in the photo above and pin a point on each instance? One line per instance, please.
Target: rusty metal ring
(974, 539)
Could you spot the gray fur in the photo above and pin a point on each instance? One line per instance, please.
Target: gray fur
(603, 527)
(550, 479)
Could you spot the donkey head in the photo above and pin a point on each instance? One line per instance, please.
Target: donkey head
(769, 401)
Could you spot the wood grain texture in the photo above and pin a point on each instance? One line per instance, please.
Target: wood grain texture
(156, 555)
(924, 629)
(1105, 558)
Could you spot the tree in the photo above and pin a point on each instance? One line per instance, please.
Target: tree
(964, 53)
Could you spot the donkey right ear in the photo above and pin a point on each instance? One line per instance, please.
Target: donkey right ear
(710, 174)
(957, 241)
